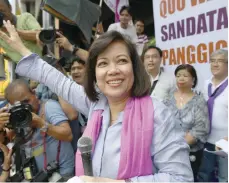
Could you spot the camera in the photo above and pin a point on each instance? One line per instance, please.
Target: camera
(29, 172)
(20, 119)
(48, 36)
(49, 175)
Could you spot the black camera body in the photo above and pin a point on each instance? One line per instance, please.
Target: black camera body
(21, 120)
(48, 36)
(44, 175)
(29, 172)
(20, 115)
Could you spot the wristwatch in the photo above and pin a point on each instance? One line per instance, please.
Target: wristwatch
(6, 170)
(44, 128)
(75, 49)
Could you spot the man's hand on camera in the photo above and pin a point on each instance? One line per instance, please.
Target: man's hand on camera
(37, 121)
(63, 42)
(4, 116)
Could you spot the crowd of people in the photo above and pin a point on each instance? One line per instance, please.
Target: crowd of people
(145, 123)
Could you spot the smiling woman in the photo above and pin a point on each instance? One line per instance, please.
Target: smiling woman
(128, 128)
(117, 69)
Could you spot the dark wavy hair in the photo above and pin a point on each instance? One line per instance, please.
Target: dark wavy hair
(191, 71)
(141, 85)
(127, 8)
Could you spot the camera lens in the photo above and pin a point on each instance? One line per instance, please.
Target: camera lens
(47, 36)
(21, 117)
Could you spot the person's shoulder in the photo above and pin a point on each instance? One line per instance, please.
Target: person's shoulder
(199, 99)
(101, 104)
(53, 112)
(113, 26)
(168, 77)
(206, 83)
(157, 102)
(130, 26)
(145, 36)
(116, 24)
(52, 106)
(158, 105)
(166, 74)
(24, 15)
(162, 113)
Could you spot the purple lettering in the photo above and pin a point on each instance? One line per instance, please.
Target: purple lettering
(180, 29)
(191, 26)
(211, 19)
(202, 25)
(172, 31)
(164, 33)
(222, 18)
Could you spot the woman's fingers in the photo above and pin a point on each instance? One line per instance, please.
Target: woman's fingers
(10, 28)
(4, 36)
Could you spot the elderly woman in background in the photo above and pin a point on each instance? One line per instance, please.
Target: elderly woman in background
(133, 135)
(191, 110)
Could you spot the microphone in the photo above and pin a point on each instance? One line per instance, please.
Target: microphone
(85, 147)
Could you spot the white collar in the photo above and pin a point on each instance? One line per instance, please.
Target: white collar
(218, 84)
(156, 78)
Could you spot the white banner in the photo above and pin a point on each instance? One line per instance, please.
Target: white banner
(188, 31)
(112, 4)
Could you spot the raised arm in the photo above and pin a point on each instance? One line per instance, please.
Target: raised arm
(33, 67)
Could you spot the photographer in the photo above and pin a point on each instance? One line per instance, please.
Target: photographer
(63, 42)
(51, 138)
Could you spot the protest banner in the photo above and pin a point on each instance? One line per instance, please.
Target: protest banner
(188, 31)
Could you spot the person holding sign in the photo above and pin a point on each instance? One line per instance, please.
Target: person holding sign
(216, 94)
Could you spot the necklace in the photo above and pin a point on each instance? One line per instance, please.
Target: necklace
(182, 99)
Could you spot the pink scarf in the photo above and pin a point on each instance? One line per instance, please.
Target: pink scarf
(136, 138)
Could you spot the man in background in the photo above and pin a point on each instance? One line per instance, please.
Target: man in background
(77, 120)
(216, 95)
(162, 83)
